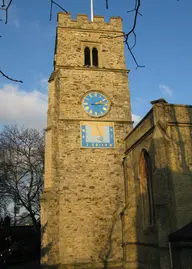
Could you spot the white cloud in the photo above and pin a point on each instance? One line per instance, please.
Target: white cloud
(44, 82)
(15, 23)
(34, 25)
(140, 100)
(136, 119)
(166, 90)
(20, 107)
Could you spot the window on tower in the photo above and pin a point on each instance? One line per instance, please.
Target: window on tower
(87, 60)
(95, 57)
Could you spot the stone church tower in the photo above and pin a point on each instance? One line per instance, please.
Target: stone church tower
(88, 117)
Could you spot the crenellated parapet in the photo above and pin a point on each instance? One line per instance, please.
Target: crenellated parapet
(82, 22)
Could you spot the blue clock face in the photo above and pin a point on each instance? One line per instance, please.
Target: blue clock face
(95, 104)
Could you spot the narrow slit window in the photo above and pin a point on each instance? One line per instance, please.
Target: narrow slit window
(87, 61)
(146, 189)
(95, 57)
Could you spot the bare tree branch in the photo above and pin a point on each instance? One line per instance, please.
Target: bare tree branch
(133, 56)
(136, 9)
(126, 36)
(132, 32)
(51, 8)
(6, 8)
(135, 40)
(51, 11)
(12, 79)
(3, 3)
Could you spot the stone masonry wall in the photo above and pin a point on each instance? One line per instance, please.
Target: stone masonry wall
(74, 36)
(180, 166)
(180, 161)
(76, 83)
(166, 134)
(49, 200)
(83, 224)
(91, 198)
(140, 243)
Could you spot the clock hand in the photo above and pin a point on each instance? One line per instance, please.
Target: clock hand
(98, 103)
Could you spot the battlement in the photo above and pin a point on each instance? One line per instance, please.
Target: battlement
(82, 22)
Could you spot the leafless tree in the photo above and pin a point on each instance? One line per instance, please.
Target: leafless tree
(4, 203)
(21, 167)
(4, 198)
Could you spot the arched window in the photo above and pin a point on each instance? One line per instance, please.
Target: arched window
(95, 57)
(146, 188)
(87, 60)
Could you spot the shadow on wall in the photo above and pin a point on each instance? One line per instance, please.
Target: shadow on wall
(45, 252)
(158, 183)
(181, 252)
(106, 254)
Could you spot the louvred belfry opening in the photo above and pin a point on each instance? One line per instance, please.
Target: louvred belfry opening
(95, 57)
(87, 60)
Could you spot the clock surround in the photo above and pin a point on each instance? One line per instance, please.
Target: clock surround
(96, 104)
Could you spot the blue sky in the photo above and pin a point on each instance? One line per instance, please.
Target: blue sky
(164, 42)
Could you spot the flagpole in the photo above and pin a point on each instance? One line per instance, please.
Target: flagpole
(91, 10)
